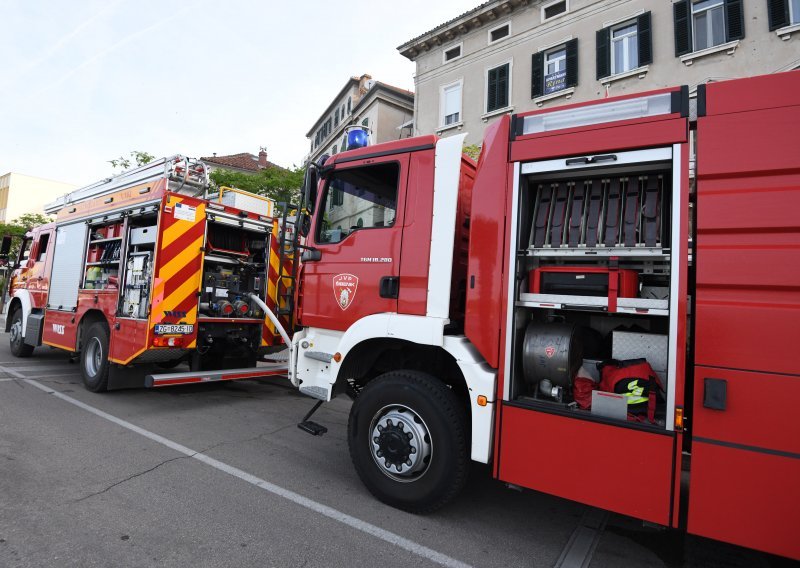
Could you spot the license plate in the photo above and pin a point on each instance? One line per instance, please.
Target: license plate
(173, 329)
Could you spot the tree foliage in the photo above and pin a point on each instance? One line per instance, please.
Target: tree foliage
(141, 158)
(277, 183)
(472, 150)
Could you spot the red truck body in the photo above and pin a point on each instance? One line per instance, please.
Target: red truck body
(715, 246)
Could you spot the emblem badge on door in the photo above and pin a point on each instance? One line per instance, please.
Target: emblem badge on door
(344, 289)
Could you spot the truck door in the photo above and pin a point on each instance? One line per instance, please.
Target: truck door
(745, 443)
(39, 268)
(357, 234)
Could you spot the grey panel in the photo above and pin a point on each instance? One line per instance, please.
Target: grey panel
(33, 330)
(67, 266)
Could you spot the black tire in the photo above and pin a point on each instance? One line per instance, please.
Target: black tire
(16, 341)
(94, 358)
(394, 399)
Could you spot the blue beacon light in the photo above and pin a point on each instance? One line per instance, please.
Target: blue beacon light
(357, 138)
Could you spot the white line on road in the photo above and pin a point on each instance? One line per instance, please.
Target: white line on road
(296, 498)
(581, 545)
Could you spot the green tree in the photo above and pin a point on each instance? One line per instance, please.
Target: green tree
(282, 185)
(472, 150)
(141, 158)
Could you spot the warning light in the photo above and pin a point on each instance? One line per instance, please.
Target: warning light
(357, 138)
(482, 400)
(337, 356)
(679, 418)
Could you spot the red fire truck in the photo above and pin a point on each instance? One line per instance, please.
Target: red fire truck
(148, 268)
(603, 308)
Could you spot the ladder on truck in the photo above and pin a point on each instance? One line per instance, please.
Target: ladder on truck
(183, 175)
(288, 263)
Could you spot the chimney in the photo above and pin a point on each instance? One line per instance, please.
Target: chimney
(262, 157)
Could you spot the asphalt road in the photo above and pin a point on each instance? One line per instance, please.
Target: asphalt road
(219, 475)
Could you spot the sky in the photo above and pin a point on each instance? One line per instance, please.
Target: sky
(84, 81)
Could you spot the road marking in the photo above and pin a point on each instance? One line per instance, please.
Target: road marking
(326, 511)
(581, 545)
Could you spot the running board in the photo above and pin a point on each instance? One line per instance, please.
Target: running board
(194, 377)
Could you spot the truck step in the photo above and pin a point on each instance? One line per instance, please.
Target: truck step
(312, 428)
(194, 377)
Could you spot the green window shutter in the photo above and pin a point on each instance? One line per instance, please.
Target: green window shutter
(645, 39)
(572, 62)
(734, 19)
(778, 14)
(603, 50)
(537, 75)
(683, 27)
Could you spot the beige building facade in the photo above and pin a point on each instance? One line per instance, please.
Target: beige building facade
(386, 110)
(511, 56)
(21, 194)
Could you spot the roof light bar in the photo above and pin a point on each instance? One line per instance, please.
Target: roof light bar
(642, 107)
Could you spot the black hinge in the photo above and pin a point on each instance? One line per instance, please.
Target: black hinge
(390, 287)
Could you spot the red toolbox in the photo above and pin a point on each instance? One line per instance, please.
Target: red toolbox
(584, 281)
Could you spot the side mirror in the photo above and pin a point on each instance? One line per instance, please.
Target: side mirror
(304, 226)
(310, 187)
(5, 247)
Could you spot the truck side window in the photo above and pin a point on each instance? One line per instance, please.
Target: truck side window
(42, 253)
(25, 251)
(357, 199)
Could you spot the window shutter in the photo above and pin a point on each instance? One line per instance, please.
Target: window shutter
(537, 75)
(645, 39)
(491, 91)
(778, 14)
(734, 19)
(683, 28)
(572, 62)
(502, 86)
(603, 53)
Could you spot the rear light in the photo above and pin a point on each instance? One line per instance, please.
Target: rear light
(168, 341)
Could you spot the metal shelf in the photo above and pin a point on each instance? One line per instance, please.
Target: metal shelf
(600, 252)
(637, 306)
(109, 239)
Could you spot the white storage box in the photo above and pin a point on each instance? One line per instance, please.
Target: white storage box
(246, 201)
(651, 346)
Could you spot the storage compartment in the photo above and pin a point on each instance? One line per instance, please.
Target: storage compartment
(103, 256)
(594, 296)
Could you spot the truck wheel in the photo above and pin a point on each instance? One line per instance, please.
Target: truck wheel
(408, 441)
(94, 358)
(17, 342)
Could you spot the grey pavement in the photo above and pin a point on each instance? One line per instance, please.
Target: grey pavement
(77, 489)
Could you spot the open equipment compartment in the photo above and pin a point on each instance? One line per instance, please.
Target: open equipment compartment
(594, 275)
(597, 255)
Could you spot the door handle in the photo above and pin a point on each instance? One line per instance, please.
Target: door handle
(389, 287)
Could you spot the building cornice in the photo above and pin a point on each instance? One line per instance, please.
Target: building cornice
(485, 14)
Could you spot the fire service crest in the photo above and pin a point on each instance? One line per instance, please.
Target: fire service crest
(344, 289)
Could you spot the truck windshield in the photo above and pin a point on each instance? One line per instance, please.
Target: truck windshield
(358, 198)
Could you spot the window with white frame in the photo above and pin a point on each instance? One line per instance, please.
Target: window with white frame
(499, 32)
(452, 53)
(783, 13)
(624, 48)
(553, 9)
(451, 104)
(554, 69)
(498, 85)
(704, 24)
(708, 23)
